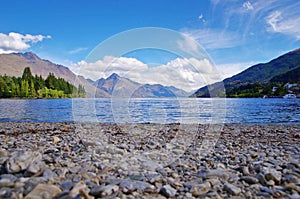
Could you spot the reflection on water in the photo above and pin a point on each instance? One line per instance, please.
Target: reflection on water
(183, 110)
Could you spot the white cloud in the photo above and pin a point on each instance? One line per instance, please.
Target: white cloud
(15, 42)
(107, 66)
(248, 5)
(214, 39)
(188, 74)
(288, 24)
(77, 50)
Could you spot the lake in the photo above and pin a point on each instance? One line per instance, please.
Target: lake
(140, 110)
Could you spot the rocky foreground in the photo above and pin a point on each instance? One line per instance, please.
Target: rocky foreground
(68, 160)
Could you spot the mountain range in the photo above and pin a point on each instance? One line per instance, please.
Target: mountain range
(114, 86)
(118, 86)
(284, 69)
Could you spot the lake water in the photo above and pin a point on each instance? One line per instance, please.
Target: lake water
(152, 110)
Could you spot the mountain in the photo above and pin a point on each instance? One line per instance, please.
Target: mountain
(261, 73)
(13, 65)
(178, 92)
(153, 91)
(118, 86)
(290, 76)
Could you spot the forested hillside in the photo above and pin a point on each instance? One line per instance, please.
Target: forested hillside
(29, 86)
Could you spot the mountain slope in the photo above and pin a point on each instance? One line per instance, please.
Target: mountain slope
(178, 92)
(117, 86)
(261, 73)
(265, 72)
(290, 76)
(14, 64)
(153, 91)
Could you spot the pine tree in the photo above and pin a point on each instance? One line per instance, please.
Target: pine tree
(27, 75)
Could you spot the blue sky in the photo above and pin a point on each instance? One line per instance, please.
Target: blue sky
(235, 33)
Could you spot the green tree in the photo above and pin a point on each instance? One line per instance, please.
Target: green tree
(32, 90)
(24, 88)
(27, 75)
(4, 88)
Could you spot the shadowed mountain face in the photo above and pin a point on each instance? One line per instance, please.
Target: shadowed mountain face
(14, 64)
(118, 86)
(261, 73)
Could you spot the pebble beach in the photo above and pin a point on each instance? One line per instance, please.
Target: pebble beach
(73, 161)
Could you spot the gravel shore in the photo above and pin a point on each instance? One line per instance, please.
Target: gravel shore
(72, 161)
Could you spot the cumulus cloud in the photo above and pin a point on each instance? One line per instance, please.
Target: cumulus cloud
(107, 66)
(15, 42)
(187, 74)
(288, 25)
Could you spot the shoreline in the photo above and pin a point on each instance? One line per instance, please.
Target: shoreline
(87, 160)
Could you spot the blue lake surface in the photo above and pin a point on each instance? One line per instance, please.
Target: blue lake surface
(140, 110)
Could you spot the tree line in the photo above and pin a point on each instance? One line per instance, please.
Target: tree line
(29, 86)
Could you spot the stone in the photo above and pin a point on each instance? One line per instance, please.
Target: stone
(295, 196)
(261, 178)
(5, 182)
(297, 135)
(273, 174)
(44, 191)
(213, 173)
(79, 189)
(152, 178)
(232, 189)
(109, 190)
(56, 139)
(66, 185)
(21, 160)
(270, 183)
(63, 195)
(96, 191)
(192, 183)
(48, 174)
(9, 176)
(266, 189)
(249, 179)
(200, 189)
(245, 170)
(35, 167)
(168, 191)
(4, 153)
(291, 186)
(129, 186)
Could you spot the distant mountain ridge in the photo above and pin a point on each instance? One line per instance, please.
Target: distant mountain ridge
(261, 73)
(118, 86)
